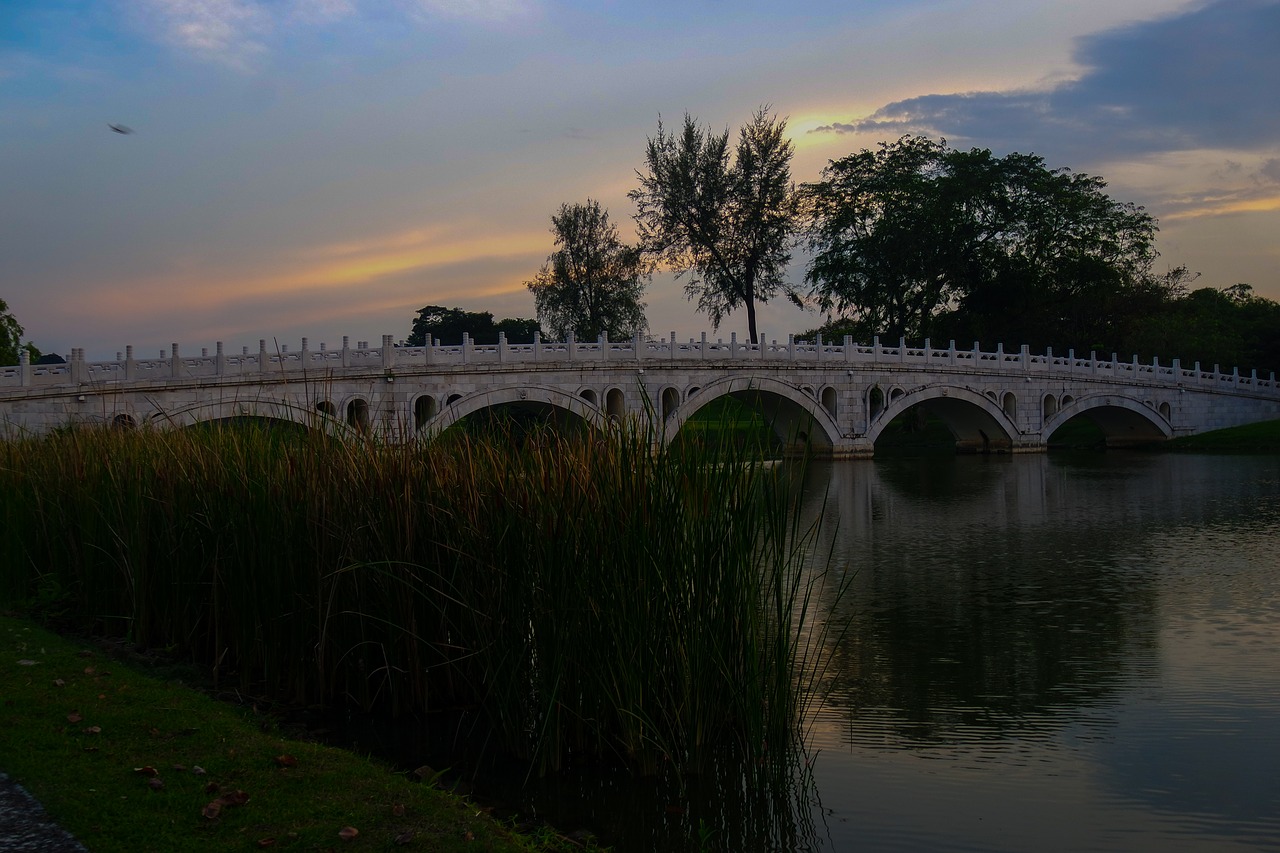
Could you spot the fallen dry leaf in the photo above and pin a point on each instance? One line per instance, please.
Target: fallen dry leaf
(286, 761)
(88, 670)
(404, 838)
(147, 770)
(74, 717)
(235, 798)
(266, 842)
(398, 810)
(468, 836)
(155, 783)
(198, 770)
(212, 810)
(25, 662)
(348, 833)
(93, 730)
(58, 682)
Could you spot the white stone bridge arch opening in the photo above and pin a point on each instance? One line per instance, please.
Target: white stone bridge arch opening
(978, 422)
(798, 419)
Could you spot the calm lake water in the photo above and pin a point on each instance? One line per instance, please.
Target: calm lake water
(1043, 653)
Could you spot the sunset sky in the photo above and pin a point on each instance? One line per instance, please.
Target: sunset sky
(327, 167)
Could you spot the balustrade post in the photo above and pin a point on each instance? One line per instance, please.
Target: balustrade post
(791, 347)
(1026, 357)
(818, 343)
(702, 348)
(760, 342)
(875, 348)
(603, 343)
(466, 345)
(636, 343)
(130, 366)
(346, 350)
(848, 347)
(1177, 369)
(902, 349)
(733, 344)
(24, 367)
(570, 347)
(262, 355)
(951, 352)
(175, 362)
(928, 351)
(388, 352)
(502, 347)
(219, 360)
(671, 350)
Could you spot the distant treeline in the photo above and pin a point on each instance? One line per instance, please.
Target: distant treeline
(1231, 327)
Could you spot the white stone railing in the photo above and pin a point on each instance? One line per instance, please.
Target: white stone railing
(389, 357)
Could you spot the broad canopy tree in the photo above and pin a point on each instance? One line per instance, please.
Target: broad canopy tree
(919, 239)
(722, 220)
(592, 283)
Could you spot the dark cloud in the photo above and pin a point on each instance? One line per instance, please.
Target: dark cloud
(1271, 170)
(1205, 78)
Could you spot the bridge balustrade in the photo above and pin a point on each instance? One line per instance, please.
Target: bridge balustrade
(390, 357)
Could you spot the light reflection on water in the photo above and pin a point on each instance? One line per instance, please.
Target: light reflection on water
(1054, 655)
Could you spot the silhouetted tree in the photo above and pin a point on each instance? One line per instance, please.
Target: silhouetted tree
(917, 238)
(448, 325)
(726, 223)
(592, 282)
(11, 338)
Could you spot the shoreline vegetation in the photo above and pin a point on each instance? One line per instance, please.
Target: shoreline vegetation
(203, 548)
(585, 596)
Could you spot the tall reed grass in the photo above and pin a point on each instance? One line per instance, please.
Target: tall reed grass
(590, 596)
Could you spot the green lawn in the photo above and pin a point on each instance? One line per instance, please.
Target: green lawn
(130, 762)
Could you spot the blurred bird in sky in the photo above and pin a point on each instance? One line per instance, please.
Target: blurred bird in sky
(120, 128)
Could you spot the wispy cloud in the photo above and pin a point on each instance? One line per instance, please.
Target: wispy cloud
(491, 11)
(227, 31)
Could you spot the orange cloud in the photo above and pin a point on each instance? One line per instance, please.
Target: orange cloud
(1225, 207)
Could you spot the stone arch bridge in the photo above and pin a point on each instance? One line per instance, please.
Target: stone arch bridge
(834, 398)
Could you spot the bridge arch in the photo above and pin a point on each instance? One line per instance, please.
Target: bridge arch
(615, 404)
(263, 410)
(796, 417)
(534, 397)
(1123, 420)
(976, 420)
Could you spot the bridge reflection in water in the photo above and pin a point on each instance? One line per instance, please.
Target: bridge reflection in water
(832, 399)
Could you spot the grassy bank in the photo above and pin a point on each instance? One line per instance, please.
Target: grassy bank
(1252, 438)
(587, 596)
(129, 762)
